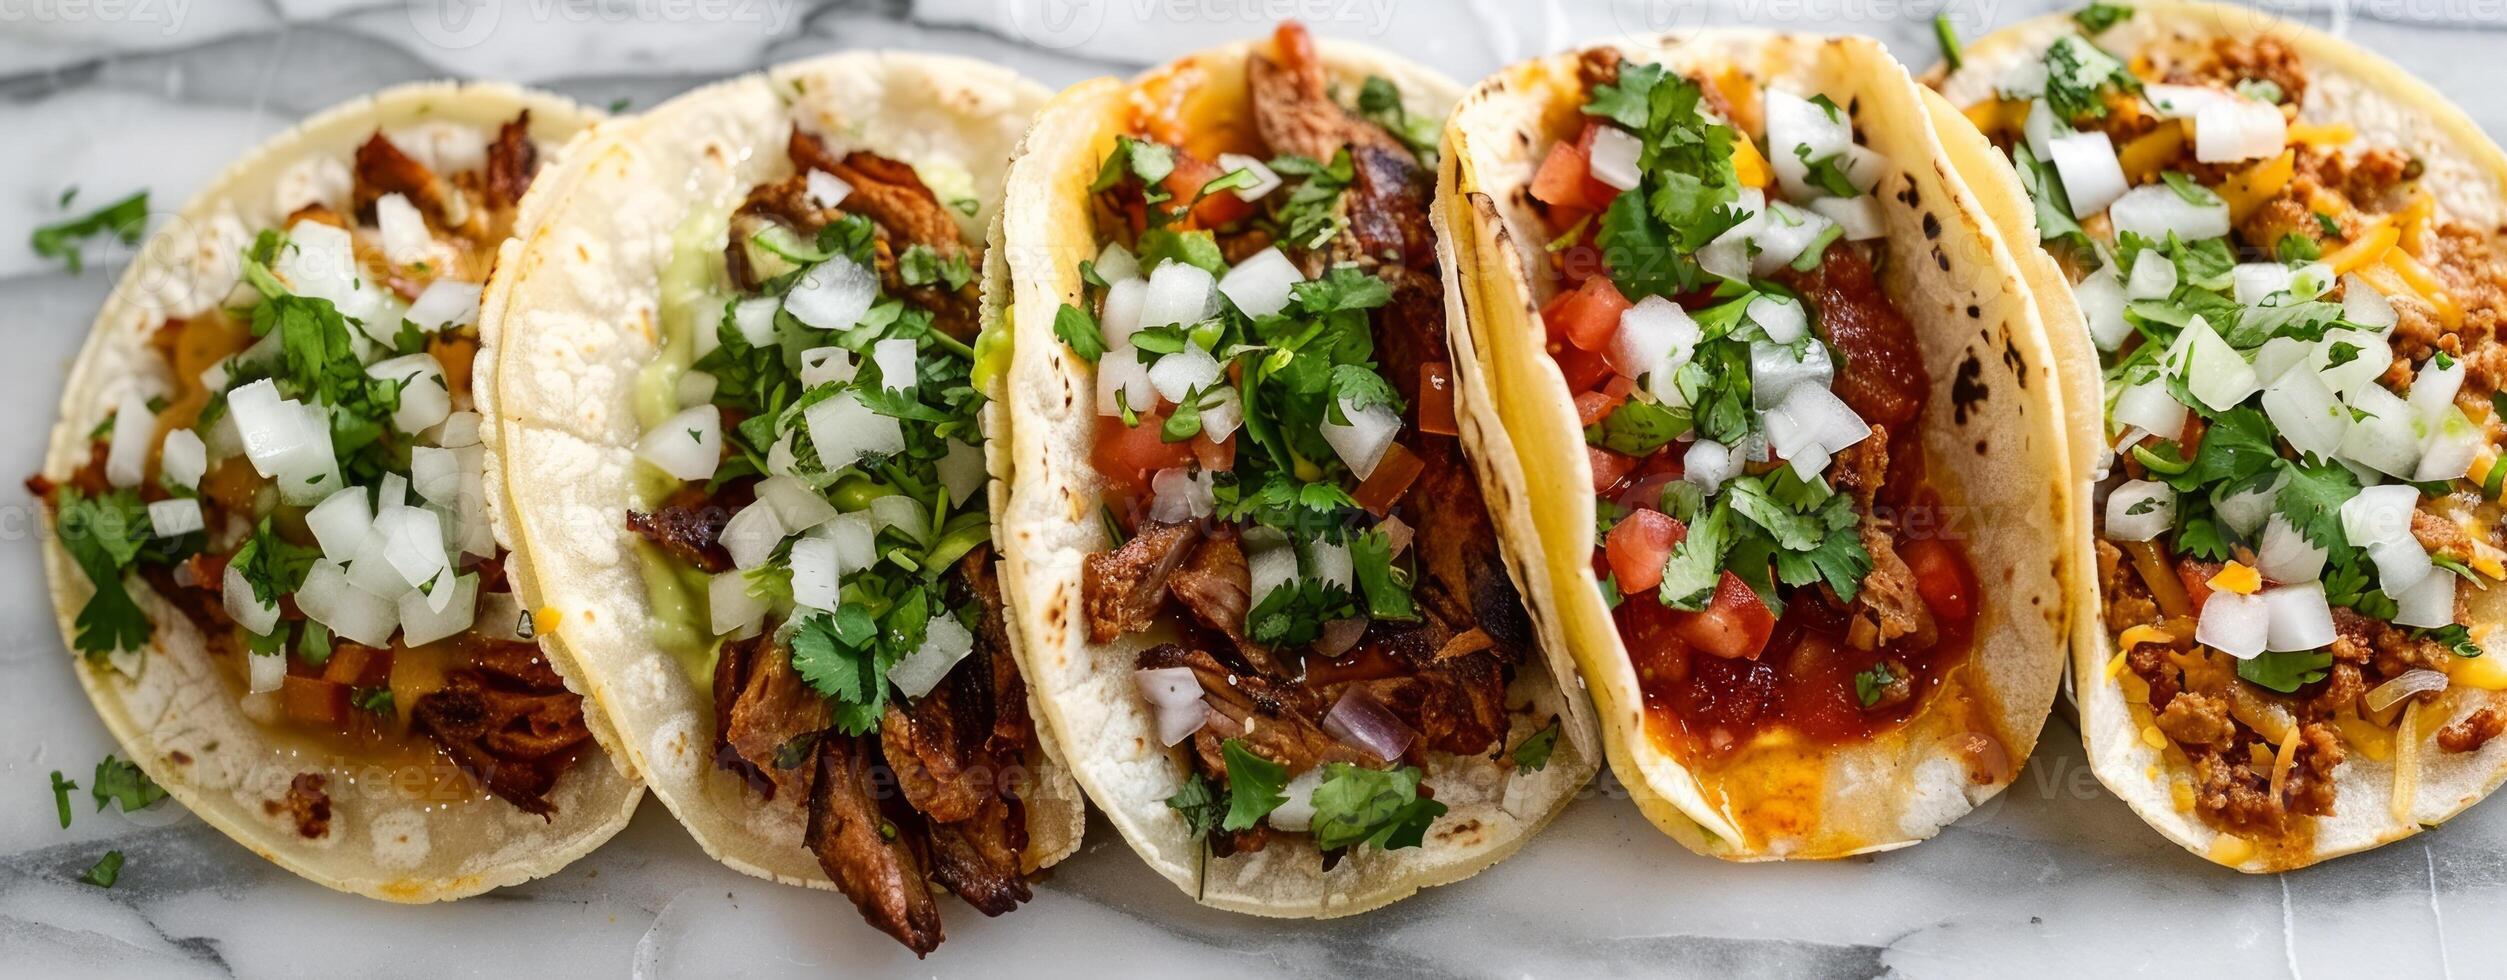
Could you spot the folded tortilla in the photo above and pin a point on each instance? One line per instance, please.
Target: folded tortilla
(168, 706)
(1052, 524)
(1991, 430)
(2378, 800)
(574, 314)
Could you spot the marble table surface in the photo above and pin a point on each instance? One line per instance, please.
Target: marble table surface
(117, 95)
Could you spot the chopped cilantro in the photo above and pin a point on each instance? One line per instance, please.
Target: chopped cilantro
(124, 219)
(106, 870)
(2286, 671)
(1202, 804)
(1254, 785)
(1356, 805)
(1870, 684)
(1080, 331)
(1948, 37)
(120, 781)
(61, 796)
(1532, 754)
(2099, 16)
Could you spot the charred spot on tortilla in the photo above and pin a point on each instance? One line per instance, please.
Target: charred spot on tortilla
(1932, 226)
(1968, 389)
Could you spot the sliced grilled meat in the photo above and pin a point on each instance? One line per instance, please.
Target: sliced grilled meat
(511, 162)
(978, 858)
(774, 708)
(870, 854)
(1292, 101)
(688, 525)
(1120, 590)
(507, 721)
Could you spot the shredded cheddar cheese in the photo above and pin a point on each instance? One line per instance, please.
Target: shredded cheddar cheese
(2229, 850)
(2486, 673)
(2247, 189)
(2182, 792)
(2115, 664)
(1747, 166)
(2368, 246)
(2238, 578)
(1997, 116)
(2281, 763)
(2414, 219)
(2322, 134)
(2145, 155)
(2150, 736)
(2369, 739)
(2425, 283)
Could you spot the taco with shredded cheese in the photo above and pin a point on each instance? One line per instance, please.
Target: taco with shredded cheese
(273, 545)
(1781, 415)
(742, 403)
(1267, 604)
(2280, 261)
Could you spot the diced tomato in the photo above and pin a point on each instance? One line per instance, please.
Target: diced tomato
(1942, 579)
(1593, 406)
(1127, 455)
(1608, 467)
(1392, 478)
(1436, 399)
(1590, 315)
(314, 701)
(1566, 175)
(358, 665)
(1638, 546)
(2197, 579)
(1217, 457)
(1734, 625)
(1583, 369)
(1190, 175)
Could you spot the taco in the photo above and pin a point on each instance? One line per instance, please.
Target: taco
(273, 547)
(2279, 259)
(740, 398)
(1265, 600)
(1784, 423)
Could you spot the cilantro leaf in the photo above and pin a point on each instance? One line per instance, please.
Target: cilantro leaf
(2286, 671)
(124, 219)
(1386, 587)
(2312, 498)
(1356, 805)
(104, 535)
(2099, 16)
(106, 870)
(1532, 754)
(837, 655)
(61, 796)
(1696, 564)
(121, 781)
(1638, 427)
(1870, 684)
(1627, 102)
(1195, 248)
(1079, 330)
(1202, 803)
(1254, 785)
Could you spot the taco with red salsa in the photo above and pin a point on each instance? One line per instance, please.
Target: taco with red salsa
(1267, 603)
(2272, 266)
(274, 546)
(1781, 415)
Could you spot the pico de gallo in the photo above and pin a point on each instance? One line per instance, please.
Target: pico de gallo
(1291, 520)
(2302, 393)
(307, 491)
(1776, 564)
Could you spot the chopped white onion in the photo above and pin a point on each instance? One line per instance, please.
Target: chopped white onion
(2154, 210)
(2379, 515)
(413, 542)
(1115, 263)
(1788, 232)
(2039, 128)
(2092, 177)
(2213, 372)
(895, 357)
(445, 304)
(1297, 813)
(2310, 280)
(2140, 510)
(404, 230)
(730, 609)
(962, 469)
(265, 672)
(1776, 369)
(1174, 696)
(242, 606)
(1397, 533)
(1708, 464)
(817, 574)
(460, 430)
(845, 430)
(1123, 381)
(183, 458)
(945, 642)
(2306, 413)
(434, 473)
(2453, 443)
(1270, 561)
(1362, 443)
(1781, 319)
(328, 597)
(1178, 375)
(2278, 355)
(900, 511)
(1825, 418)
(1614, 157)
(1331, 563)
(320, 261)
(797, 507)
(1259, 285)
(2300, 618)
(2236, 129)
(2101, 301)
(1655, 334)
(1179, 292)
(688, 446)
(751, 535)
(2401, 565)
(826, 190)
(2369, 359)
(1122, 312)
(2025, 79)
(2429, 604)
(856, 540)
(2234, 624)
(1858, 217)
(754, 319)
(693, 388)
(2181, 101)
(2433, 389)
(175, 517)
(1222, 411)
(1338, 636)
(2385, 435)
(2244, 511)
(422, 623)
(1799, 132)
(1265, 181)
(425, 398)
(833, 295)
(2150, 406)
(1180, 495)
(2363, 305)
(2286, 555)
(1728, 255)
(2253, 282)
(134, 430)
(827, 365)
(340, 522)
(2154, 276)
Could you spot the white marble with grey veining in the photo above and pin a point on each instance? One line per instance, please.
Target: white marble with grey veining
(2055, 878)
